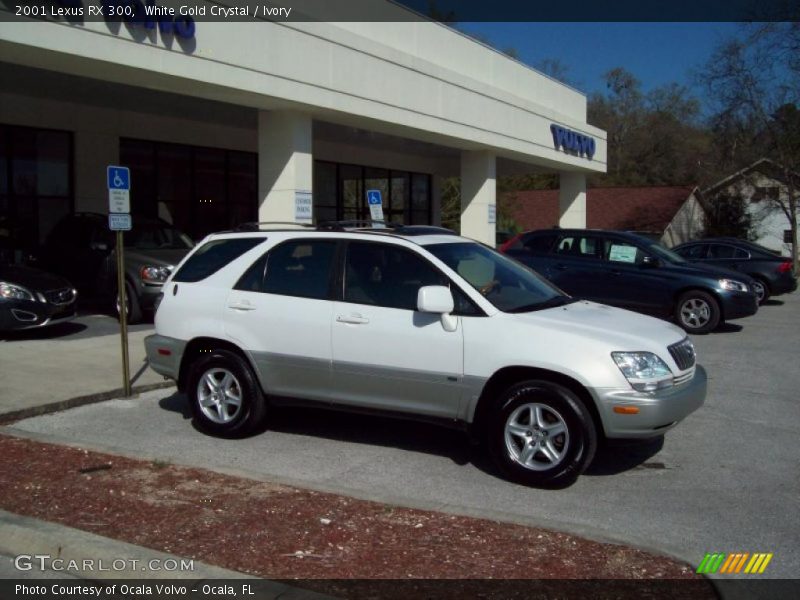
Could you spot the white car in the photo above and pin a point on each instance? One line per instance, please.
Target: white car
(421, 323)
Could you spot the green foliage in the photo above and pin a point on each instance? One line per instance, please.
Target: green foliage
(728, 216)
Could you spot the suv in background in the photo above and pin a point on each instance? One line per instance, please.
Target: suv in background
(82, 249)
(419, 323)
(772, 273)
(630, 271)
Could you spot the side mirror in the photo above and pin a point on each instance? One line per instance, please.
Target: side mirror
(437, 299)
(651, 261)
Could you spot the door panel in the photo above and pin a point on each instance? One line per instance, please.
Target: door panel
(385, 353)
(631, 284)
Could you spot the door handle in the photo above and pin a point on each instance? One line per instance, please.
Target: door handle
(243, 306)
(616, 272)
(561, 267)
(352, 319)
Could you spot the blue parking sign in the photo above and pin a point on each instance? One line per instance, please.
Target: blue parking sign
(119, 178)
(374, 197)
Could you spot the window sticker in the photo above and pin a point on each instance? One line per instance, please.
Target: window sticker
(626, 254)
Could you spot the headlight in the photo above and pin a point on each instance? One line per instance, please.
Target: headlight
(14, 292)
(732, 285)
(645, 371)
(152, 274)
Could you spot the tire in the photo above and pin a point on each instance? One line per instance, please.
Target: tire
(538, 457)
(697, 312)
(134, 310)
(762, 290)
(213, 408)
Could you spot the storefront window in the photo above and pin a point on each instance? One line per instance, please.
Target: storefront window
(35, 186)
(340, 193)
(199, 190)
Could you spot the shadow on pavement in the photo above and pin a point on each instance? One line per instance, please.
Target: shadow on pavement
(611, 458)
(773, 302)
(44, 333)
(728, 328)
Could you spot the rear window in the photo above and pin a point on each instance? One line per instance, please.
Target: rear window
(212, 256)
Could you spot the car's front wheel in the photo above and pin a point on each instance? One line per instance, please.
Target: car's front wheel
(541, 434)
(697, 312)
(225, 396)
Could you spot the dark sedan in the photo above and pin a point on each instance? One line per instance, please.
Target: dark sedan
(630, 271)
(33, 298)
(771, 272)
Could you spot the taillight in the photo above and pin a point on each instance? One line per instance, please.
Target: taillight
(785, 267)
(505, 246)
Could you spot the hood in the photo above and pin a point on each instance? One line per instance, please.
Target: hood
(163, 257)
(616, 328)
(32, 279)
(709, 270)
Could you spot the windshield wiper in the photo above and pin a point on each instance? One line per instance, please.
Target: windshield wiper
(550, 303)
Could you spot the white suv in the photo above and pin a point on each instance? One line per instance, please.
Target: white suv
(421, 323)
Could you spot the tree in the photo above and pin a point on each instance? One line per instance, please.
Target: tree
(754, 83)
(728, 216)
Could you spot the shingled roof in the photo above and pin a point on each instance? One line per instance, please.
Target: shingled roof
(628, 208)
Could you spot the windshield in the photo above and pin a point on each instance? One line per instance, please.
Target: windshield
(507, 284)
(157, 236)
(662, 252)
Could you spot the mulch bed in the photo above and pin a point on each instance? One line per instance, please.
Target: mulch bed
(281, 532)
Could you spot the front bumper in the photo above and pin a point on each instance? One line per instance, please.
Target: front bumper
(658, 411)
(164, 355)
(148, 295)
(16, 315)
(736, 305)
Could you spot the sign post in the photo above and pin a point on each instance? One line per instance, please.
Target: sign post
(375, 207)
(119, 220)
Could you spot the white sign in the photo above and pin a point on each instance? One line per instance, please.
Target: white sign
(375, 206)
(118, 180)
(492, 214)
(120, 222)
(625, 254)
(303, 207)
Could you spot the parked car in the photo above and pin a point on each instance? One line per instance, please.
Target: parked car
(771, 273)
(630, 271)
(33, 298)
(81, 248)
(420, 325)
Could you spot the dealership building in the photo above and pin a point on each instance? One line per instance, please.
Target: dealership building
(226, 122)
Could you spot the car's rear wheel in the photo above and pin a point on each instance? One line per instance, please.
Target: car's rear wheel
(761, 290)
(224, 394)
(697, 312)
(541, 434)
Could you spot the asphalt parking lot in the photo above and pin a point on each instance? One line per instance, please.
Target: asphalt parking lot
(726, 480)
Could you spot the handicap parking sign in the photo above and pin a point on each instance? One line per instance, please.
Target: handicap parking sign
(119, 178)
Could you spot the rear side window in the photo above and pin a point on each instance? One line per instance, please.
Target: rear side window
(299, 268)
(212, 256)
(725, 251)
(696, 252)
(540, 244)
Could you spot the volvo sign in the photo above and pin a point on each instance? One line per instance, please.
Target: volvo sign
(572, 142)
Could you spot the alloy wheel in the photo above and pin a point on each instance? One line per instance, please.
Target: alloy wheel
(695, 313)
(536, 436)
(760, 290)
(219, 395)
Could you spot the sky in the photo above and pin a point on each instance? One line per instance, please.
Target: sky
(656, 53)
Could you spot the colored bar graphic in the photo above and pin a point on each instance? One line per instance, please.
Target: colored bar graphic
(723, 563)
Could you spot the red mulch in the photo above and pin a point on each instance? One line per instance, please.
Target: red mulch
(280, 532)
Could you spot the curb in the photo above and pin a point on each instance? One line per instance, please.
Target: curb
(29, 536)
(43, 409)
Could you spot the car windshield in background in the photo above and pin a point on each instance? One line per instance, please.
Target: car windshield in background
(661, 252)
(510, 286)
(156, 236)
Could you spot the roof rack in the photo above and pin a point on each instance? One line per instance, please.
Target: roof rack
(356, 224)
(257, 225)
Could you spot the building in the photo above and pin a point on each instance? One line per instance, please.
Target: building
(225, 122)
(667, 213)
(764, 188)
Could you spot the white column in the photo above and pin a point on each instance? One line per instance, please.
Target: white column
(572, 200)
(93, 153)
(285, 162)
(478, 193)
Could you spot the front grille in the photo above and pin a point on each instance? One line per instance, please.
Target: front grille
(60, 296)
(683, 354)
